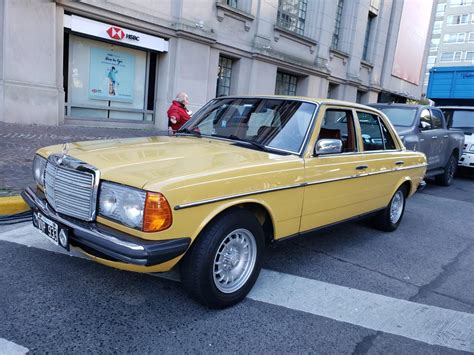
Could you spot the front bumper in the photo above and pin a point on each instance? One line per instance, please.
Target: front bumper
(467, 160)
(105, 242)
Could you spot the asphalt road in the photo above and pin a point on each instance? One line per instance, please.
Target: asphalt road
(349, 289)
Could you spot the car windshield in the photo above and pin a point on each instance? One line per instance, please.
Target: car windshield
(399, 116)
(267, 124)
(459, 118)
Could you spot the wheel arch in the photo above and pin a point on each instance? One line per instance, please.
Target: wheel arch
(259, 209)
(408, 184)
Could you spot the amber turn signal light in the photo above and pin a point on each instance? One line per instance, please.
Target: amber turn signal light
(157, 215)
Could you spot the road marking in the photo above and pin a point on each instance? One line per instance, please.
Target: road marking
(10, 348)
(428, 324)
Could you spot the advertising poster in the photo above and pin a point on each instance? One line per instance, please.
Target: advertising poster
(112, 75)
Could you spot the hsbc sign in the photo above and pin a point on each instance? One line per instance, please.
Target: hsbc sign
(117, 34)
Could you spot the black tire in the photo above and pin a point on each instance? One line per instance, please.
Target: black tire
(384, 220)
(446, 178)
(199, 267)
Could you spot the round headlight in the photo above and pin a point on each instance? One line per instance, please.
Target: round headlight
(39, 164)
(132, 209)
(108, 202)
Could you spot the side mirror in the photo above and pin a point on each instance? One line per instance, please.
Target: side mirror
(424, 126)
(328, 146)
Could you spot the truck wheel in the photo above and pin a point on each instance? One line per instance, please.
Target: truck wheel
(390, 217)
(224, 262)
(446, 178)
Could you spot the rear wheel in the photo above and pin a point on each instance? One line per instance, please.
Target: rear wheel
(224, 262)
(390, 217)
(447, 177)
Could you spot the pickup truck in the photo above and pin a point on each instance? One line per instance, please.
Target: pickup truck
(424, 128)
(462, 117)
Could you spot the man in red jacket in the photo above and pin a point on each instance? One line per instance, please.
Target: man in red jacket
(178, 114)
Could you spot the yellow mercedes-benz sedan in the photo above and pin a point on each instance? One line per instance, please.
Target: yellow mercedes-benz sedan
(242, 173)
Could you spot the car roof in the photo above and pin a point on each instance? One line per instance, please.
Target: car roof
(401, 105)
(319, 101)
(457, 107)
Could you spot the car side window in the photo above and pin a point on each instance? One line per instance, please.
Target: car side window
(388, 141)
(425, 120)
(371, 131)
(437, 119)
(339, 124)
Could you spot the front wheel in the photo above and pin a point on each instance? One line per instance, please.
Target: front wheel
(446, 178)
(224, 262)
(390, 217)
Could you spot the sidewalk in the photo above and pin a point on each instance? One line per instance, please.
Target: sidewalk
(18, 144)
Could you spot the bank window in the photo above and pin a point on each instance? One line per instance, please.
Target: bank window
(371, 131)
(292, 15)
(337, 27)
(339, 124)
(368, 31)
(286, 84)
(224, 76)
(104, 81)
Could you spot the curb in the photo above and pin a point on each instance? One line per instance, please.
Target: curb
(12, 205)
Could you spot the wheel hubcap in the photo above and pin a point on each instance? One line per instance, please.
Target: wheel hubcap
(235, 260)
(396, 208)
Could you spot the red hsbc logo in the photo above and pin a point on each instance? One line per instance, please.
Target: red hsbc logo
(119, 34)
(116, 33)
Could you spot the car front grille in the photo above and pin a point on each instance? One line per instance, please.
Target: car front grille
(70, 191)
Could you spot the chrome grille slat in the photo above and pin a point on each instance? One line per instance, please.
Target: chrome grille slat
(68, 190)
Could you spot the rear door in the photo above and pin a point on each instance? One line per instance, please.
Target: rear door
(441, 144)
(333, 192)
(429, 143)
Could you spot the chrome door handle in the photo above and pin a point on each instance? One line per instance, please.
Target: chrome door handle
(361, 167)
(400, 162)
(446, 136)
(434, 137)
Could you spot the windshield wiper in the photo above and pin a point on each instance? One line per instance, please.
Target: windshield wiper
(188, 131)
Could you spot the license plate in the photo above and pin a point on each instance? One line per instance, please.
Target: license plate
(50, 229)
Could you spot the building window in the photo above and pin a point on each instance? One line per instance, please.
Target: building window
(440, 9)
(469, 56)
(454, 38)
(451, 57)
(332, 91)
(434, 44)
(471, 37)
(368, 30)
(437, 27)
(232, 3)
(292, 15)
(458, 19)
(106, 81)
(286, 84)
(460, 2)
(337, 28)
(223, 76)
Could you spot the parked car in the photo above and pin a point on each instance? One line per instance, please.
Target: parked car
(242, 173)
(423, 128)
(462, 118)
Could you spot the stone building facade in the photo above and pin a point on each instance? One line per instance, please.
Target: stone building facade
(120, 62)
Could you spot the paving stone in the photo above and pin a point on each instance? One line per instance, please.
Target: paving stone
(18, 144)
